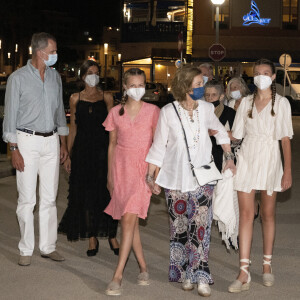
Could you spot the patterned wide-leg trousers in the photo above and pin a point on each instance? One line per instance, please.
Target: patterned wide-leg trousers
(190, 216)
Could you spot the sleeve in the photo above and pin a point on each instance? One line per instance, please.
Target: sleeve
(215, 124)
(155, 117)
(12, 102)
(238, 128)
(109, 122)
(158, 149)
(61, 124)
(283, 122)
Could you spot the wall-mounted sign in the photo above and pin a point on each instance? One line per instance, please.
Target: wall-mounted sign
(253, 17)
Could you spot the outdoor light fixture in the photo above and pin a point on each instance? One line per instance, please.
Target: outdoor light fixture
(8, 55)
(0, 44)
(16, 50)
(217, 2)
(30, 50)
(119, 56)
(189, 37)
(105, 49)
(90, 39)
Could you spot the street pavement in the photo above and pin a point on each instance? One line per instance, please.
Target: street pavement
(80, 277)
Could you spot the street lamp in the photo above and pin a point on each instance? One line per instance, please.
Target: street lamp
(217, 3)
(105, 64)
(16, 51)
(30, 50)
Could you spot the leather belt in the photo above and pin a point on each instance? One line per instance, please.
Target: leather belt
(44, 134)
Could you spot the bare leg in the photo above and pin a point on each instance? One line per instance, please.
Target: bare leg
(268, 207)
(114, 243)
(128, 222)
(92, 243)
(246, 208)
(138, 249)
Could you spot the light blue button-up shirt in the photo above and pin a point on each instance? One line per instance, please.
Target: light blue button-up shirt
(32, 103)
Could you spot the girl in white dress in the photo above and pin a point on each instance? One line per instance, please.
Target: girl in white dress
(263, 119)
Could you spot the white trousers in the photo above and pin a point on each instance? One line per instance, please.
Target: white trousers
(41, 157)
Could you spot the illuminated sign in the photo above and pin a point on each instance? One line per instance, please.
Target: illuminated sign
(253, 17)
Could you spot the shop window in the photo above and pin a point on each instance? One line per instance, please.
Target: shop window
(224, 15)
(289, 14)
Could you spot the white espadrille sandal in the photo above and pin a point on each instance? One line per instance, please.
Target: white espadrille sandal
(268, 278)
(237, 286)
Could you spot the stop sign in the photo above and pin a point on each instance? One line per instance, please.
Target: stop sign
(217, 52)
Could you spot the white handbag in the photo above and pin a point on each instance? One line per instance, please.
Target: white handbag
(207, 174)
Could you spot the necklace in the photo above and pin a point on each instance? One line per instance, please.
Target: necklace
(190, 110)
(194, 128)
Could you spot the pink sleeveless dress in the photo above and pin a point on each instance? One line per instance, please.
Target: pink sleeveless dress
(134, 138)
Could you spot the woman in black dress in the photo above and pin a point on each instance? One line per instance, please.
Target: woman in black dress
(87, 166)
(214, 93)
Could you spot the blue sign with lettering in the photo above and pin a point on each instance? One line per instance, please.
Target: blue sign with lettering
(253, 17)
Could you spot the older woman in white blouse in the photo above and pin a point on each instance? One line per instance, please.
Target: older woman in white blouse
(189, 204)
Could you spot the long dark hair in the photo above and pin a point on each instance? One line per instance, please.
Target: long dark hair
(85, 66)
(127, 74)
(264, 61)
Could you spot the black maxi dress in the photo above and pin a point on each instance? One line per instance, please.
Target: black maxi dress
(88, 194)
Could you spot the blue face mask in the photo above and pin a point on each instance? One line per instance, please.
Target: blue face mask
(198, 93)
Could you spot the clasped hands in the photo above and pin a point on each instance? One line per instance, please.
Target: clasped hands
(154, 188)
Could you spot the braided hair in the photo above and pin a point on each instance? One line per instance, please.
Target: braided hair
(127, 74)
(264, 61)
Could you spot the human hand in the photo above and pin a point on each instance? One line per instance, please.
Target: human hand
(212, 132)
(230, 165)
(67, 165)
(17, 160)
(286, 180)
(63, 153)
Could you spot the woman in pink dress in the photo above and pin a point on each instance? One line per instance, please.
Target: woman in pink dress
(131, 125)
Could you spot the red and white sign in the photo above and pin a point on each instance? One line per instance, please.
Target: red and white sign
(217, 52)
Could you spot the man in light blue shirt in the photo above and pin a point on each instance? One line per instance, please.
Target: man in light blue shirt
(35, 127)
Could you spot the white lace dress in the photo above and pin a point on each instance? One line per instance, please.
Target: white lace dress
(259, 165)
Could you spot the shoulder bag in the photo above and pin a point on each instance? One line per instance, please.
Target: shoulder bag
(207, 174)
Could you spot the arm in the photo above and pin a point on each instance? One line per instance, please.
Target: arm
(109, 100)
(229, 158)
(73, 130)
(12, 100)
(61, 124)
(286, 181)
(111, 151)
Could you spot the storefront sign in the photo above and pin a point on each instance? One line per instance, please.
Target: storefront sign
(253, 17)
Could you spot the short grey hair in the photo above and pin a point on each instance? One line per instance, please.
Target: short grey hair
(242, 84)
(215, 84)
(40, 41)
(209, 67)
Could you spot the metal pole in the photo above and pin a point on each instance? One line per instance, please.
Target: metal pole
(105, 69)
(217, 41)
(284, 75)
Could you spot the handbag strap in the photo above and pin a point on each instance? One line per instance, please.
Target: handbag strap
(185, 139)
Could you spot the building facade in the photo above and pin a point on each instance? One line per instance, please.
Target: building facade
(248, 30)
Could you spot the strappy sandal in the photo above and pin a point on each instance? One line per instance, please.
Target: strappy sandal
(268, 278)
(237, 286)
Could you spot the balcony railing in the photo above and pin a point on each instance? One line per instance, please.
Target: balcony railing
(144, 32)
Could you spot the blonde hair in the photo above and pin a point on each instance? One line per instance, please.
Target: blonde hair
(264, 61)
(242, 84)
(182, 82)
(127, 74)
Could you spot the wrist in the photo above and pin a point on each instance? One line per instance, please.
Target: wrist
(149, 178)
(228, 155)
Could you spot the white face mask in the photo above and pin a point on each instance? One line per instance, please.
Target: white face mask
(205, 79)
(236, 95)
(262, 81)
(52, 59)
(91, 80)
(136, 93)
